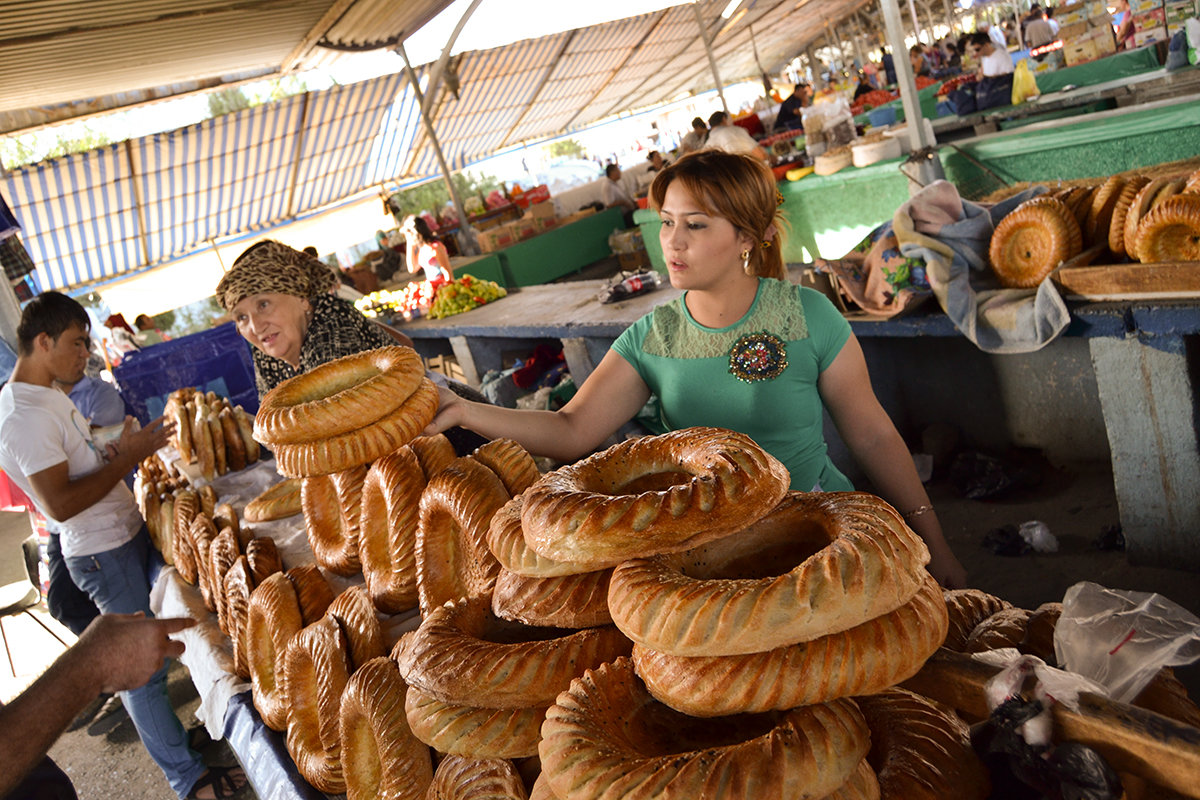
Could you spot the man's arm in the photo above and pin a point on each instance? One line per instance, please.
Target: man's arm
(116, 652)
(62, 498)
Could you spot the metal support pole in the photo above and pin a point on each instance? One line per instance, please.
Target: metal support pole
(435, 79)
(472, 247)
(912, 9)
(712, 62)
(929, 167)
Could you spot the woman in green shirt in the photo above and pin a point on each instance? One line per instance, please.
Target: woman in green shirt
(742, 348)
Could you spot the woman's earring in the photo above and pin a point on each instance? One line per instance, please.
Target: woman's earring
(746, 262)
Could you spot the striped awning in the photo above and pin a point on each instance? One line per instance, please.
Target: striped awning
(134, 205)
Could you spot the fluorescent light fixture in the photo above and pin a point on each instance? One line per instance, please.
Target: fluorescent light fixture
(729, 9)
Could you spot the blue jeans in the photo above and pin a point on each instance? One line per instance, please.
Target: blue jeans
(116, 581)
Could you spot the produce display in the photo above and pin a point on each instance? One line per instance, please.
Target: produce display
(1128, 217)
(421, 297)
(881, 97)
(623, 619)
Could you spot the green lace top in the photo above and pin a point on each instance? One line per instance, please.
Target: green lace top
(758, 375)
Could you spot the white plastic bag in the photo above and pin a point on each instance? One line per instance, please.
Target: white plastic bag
(1121, 639)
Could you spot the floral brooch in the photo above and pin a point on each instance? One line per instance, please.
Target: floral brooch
(758, 357)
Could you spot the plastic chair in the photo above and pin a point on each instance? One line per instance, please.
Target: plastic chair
(20, 591)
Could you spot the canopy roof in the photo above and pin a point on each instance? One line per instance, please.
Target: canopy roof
(141, 203)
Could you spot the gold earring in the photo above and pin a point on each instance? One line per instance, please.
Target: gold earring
(746, 262)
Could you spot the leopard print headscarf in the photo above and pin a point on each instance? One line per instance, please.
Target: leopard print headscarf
(270, 266)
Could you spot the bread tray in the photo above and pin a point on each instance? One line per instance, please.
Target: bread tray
(1166, 280)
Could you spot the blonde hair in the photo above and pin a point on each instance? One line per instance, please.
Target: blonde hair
(737, 188)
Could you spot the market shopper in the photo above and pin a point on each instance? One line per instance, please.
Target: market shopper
(425, 252)
(992, 60)
(724, 135)
(693, 140)
(46, 447)
(743, 348)
(280, 302)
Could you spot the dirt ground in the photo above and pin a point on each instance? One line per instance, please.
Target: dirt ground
(1076, 503)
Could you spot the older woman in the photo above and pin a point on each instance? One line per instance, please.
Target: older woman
(280, 300)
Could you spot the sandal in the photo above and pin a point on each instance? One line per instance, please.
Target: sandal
(224, 782)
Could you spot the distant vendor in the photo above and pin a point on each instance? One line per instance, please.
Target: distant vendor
(992, 60)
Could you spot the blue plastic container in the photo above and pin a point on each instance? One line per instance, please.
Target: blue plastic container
(217, 359)
(882, 117)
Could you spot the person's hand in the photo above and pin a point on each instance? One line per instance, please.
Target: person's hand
(451, 412)
(139, 444)
(123, 651)
(946, 569)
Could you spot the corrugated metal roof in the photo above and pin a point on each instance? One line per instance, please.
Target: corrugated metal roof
(126, 207)
(59, 51)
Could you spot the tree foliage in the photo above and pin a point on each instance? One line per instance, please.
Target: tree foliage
(433, 196)
(567, 148)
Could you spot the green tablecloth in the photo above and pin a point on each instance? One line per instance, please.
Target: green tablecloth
(560, 251)
(1102, 70)
(826, 214)
(1092, 147)
(829, 215)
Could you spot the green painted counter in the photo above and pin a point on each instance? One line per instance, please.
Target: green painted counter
(1096, 145)
(487, 267)
(1102, 70)
(560, 251)
(927, 98)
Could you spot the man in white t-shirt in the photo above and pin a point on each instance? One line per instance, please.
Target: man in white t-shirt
(46, 447)
(724, 135)
(992, 60)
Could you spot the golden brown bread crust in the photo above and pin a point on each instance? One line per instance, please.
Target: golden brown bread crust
(463, 654)
(968, 608)
(862, 785)
(239, 583)
(506, 540)
(1005, 628)
(387, 542)
(607, 737)
(235, 450)
(1171, 231)
(380, 756)
(313, 592)
(541, 789)
(1116, 228)
(1039, 633)
(364, 445)
(514, 466)
(919, 751)
(263, 557)
(453, 559)
(221, 554)
(272, 619)
(471, 730)
(220, 459)
(1167, 695)
(202, 535)
(356, 614)
(863, 660)
(332, 510)
(596, 512)
(316, 670)
(276, 502)
(245, 430)
(1104, 202)
(853, 559)
(434, 452)
(463, 778)
(1032, 240)
(339, 396)
(568, 601)
(1146, 199)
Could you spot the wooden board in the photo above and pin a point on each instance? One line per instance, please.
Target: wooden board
(1131, 739)
(1159, 281)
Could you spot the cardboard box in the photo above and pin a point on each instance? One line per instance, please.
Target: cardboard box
(1105, 42)
(1076, 30)
(1071, 14)
(1178, 12)
(1079, 52)
(1098, 8)
(540, 210)
(496, 238)
(578, 215)
(1149, 36)
(1148, 20)
(1142, 6)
